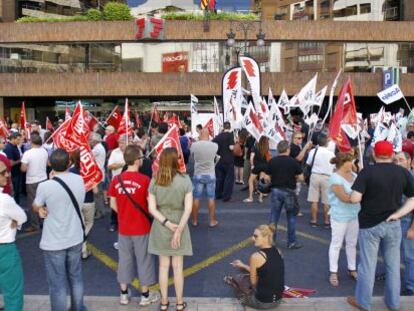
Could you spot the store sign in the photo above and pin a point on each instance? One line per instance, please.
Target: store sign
(149, 28)
(175, 62)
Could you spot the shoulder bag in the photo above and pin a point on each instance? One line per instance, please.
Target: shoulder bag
(74, 202)
(136, 205)
(307, 171)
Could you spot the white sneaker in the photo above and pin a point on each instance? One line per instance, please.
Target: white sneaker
(152, 297)
(124, 299)
(116, 245)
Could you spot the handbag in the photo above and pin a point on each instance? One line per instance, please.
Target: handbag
(307, 171)
(136, 205)
(74, 202)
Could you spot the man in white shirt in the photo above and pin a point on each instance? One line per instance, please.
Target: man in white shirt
(115, 164)
(99, 153)
(34, 163)
(11, 276)
(319, 180)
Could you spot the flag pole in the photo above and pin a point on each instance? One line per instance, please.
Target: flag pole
(126, 112)
(331, 95)
(406, 102)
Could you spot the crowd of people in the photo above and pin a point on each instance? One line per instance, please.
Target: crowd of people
(362, 201)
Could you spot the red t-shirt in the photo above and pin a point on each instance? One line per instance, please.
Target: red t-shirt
(131, 220)
(111, 141)
(6, 161)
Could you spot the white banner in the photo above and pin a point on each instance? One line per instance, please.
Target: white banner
(390, 95)
(231, 88)
(252, 71)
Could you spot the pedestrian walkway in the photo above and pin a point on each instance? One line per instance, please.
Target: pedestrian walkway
(41, 303)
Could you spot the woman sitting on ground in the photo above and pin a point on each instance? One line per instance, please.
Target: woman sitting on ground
(263, 286)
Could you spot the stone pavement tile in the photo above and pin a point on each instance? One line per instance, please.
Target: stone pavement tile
(215, 307)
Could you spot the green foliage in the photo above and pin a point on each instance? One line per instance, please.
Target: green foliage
(224, 16)
(114, 11)
(94, 14)
(29, 19)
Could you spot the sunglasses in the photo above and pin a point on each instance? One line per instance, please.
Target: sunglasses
(3, 172)
(298, 137)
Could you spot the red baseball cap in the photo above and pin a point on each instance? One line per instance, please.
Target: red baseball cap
(383, 149)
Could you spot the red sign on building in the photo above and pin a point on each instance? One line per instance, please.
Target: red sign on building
(175, 62)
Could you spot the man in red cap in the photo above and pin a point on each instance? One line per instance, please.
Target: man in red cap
(379, 188)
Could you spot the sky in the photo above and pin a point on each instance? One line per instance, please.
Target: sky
(227, 5)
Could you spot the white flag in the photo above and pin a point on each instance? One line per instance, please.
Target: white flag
(283, 102)
(390, 95)
(319, 97)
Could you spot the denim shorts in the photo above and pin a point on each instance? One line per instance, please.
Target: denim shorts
(204, 181)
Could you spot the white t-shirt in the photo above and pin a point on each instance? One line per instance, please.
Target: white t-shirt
(116, 157)
(36, 161)
(322, 163)
(9, 211)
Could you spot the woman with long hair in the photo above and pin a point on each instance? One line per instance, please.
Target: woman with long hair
(259, 158)
(263, 284)
(170, 201)
(344, 216)
(239, 152)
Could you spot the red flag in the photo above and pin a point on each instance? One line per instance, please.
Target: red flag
(210, 126)
(90, 119)
(67, 114)
(124, 125)
(170, 139)
(78, 128)
(155, 115)
(49, 125)
(90, 171)
(174, 120)
(138, 122)
(4, 131)
(344, 120)
(115, 117)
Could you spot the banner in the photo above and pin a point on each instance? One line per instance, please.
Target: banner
(344, 120)
(78, 129)
(175, 62)
(114, 117)
(170, 139)
(390, 95)
(252, 72)
(231, 93)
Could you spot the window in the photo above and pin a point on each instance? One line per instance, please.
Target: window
(365, 8)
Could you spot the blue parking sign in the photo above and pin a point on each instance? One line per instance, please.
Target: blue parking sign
(388, 78)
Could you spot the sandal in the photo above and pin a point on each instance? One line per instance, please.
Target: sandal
(248, 200)
(333, 279)
(164, 306)
(353, 274)
(183, 306)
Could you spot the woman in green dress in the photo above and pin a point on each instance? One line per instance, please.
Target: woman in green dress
(170, 202)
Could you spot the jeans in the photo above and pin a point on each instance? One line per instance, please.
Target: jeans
(283, 199)
(389, 234)
(65, 266)
(224, 180)
(11, 277)
(201, 182)
(408, 253)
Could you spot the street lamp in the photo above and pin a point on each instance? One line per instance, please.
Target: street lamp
(245, 26)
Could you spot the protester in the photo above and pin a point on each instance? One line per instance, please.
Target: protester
(88, 207)
(250, 141)
(284, 172)
(62, 234)
(11, 272)
(3, 158)
(225, 165)
(322, 169)
(239, 153)
(128, 195)
(34, 164)
(48, 143)
(111, 138)
(265, 273)
(185, 145)
(99, 152)
(343, 216)
(170, 201)
(14, 155)
(407, 232)
(204, 152)
(115, 164)
(259, 159)
(408, 144)
(379, 188)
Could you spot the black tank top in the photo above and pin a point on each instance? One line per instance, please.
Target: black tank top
(271, 276)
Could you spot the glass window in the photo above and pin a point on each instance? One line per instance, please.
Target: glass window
(365, 8)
